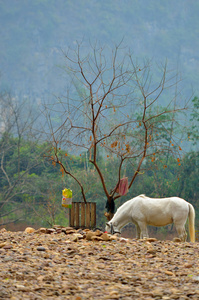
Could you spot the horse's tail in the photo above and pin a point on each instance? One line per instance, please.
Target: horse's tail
(191, 223)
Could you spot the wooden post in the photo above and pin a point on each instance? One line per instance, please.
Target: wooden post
(72, 214)
(88, 214)
(77, 214)
(82, 214)
(93, 214)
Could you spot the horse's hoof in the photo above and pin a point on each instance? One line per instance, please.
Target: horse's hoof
(177, 240)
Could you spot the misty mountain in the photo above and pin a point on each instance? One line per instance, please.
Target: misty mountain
(33, 35)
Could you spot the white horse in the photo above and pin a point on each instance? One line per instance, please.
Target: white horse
(143, 211)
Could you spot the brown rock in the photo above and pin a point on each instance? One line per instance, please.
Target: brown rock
(22, 288)
(188, 265)
(77, 237)
(67, 228)
(113, 237)
(96, 238)
(123, 240)
(105, 237)
(41, 248)
(50, 230)
(8, 246)
(157, 293)
(151, 240)
(169, 273)
(29, 230)
(57, 227)
(69, 231)
(41, 230)
(151, 251)
(89, 235)
(98, 232)
(2, 244)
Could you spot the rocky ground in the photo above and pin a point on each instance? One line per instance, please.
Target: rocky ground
(63, 263)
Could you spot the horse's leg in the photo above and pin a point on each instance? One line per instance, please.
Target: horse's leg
(181, 232)
(138, 231)
(185, 235)
(143, 229)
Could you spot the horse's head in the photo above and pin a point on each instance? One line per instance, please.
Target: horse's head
(112, 228)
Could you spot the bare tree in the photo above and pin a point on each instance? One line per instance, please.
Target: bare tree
(16, 127)
(115, 107)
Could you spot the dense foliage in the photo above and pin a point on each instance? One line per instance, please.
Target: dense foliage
(36, 194)
(31, 184)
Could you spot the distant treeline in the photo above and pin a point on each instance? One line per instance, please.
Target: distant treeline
(31, 186)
